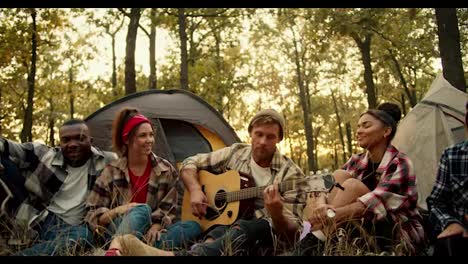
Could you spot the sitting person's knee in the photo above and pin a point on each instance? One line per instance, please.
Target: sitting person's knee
(341, 175)
(241, 224)
(192, 225)
(141, 210)
(354, 185)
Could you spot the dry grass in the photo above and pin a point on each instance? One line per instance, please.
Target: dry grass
(340, 244)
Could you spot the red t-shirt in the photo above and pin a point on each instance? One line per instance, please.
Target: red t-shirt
(139, 184)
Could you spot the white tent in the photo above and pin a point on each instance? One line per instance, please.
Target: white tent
(432, 125)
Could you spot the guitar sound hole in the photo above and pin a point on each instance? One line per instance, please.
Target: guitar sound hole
(220, 199)
(211, 214)
(219, 204)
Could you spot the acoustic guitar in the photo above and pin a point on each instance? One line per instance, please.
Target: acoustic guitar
(231, 195)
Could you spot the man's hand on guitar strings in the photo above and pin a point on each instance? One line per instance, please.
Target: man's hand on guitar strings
(198, 202)
(212, 207)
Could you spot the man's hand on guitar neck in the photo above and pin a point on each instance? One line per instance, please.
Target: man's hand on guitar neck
(273, 202)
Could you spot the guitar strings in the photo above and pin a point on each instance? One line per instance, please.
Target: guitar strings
(254, 190)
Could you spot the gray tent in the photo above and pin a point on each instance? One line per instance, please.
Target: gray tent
(432, 125)
(185, 124)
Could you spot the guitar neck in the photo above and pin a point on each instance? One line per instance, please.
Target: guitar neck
(253, 192)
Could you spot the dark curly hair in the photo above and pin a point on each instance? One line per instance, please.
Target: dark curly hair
(389, 114)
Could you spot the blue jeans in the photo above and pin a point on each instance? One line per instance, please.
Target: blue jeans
(137, 221)
(244, 237)
(59, 238)
(180, 234)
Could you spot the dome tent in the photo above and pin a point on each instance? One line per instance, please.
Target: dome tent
(185, 124)
(435, 123)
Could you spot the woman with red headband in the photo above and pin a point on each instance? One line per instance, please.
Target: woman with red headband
(136, 194)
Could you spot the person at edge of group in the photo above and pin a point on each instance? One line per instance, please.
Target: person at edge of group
(277, 218)
(379, 193)
(56, 182)
(448, 201)
(136, 194)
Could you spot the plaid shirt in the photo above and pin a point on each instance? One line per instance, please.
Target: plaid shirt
(44, 170)
(395, 195)
(448, 201)
(237, 157)
(113, 189)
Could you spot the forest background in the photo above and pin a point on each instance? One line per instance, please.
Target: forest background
(320, 67)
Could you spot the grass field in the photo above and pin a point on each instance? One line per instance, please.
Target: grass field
(13, 238)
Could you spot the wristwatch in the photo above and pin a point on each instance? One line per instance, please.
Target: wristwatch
(331, 213)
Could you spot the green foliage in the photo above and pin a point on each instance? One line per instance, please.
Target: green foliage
(240, 60)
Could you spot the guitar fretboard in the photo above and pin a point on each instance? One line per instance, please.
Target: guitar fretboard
(253, 192)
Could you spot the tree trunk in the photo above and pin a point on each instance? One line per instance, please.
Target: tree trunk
(114, 69)
(411, 94)
(192, 46)
(130, 81)
(335, 157)
(70, 92)
(51, 132)
(305, 111)
(348, 129)
(152, 82)
(51, 124)
(349, 136)
(449, 46)
(364, 48)
(340, 130)
(219, 88)
(316, 134)
(403, 104)
(26, 132)
(183, 51)
(115, 91)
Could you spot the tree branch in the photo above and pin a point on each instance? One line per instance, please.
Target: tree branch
(215, 14)
(124, 12)
(144, 30)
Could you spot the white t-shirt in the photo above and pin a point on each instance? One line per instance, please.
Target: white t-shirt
(69, 202)
(262, 176)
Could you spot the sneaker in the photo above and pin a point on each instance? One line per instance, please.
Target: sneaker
(319, 234)
(112, 252)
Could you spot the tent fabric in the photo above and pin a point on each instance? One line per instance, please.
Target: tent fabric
(180, 118)
(185, 140)
(431, 126)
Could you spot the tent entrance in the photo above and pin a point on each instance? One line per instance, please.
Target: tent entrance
(184, 139)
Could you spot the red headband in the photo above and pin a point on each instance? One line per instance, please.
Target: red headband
(133, 122)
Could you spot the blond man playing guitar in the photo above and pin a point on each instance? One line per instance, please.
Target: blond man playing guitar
(276, 216)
